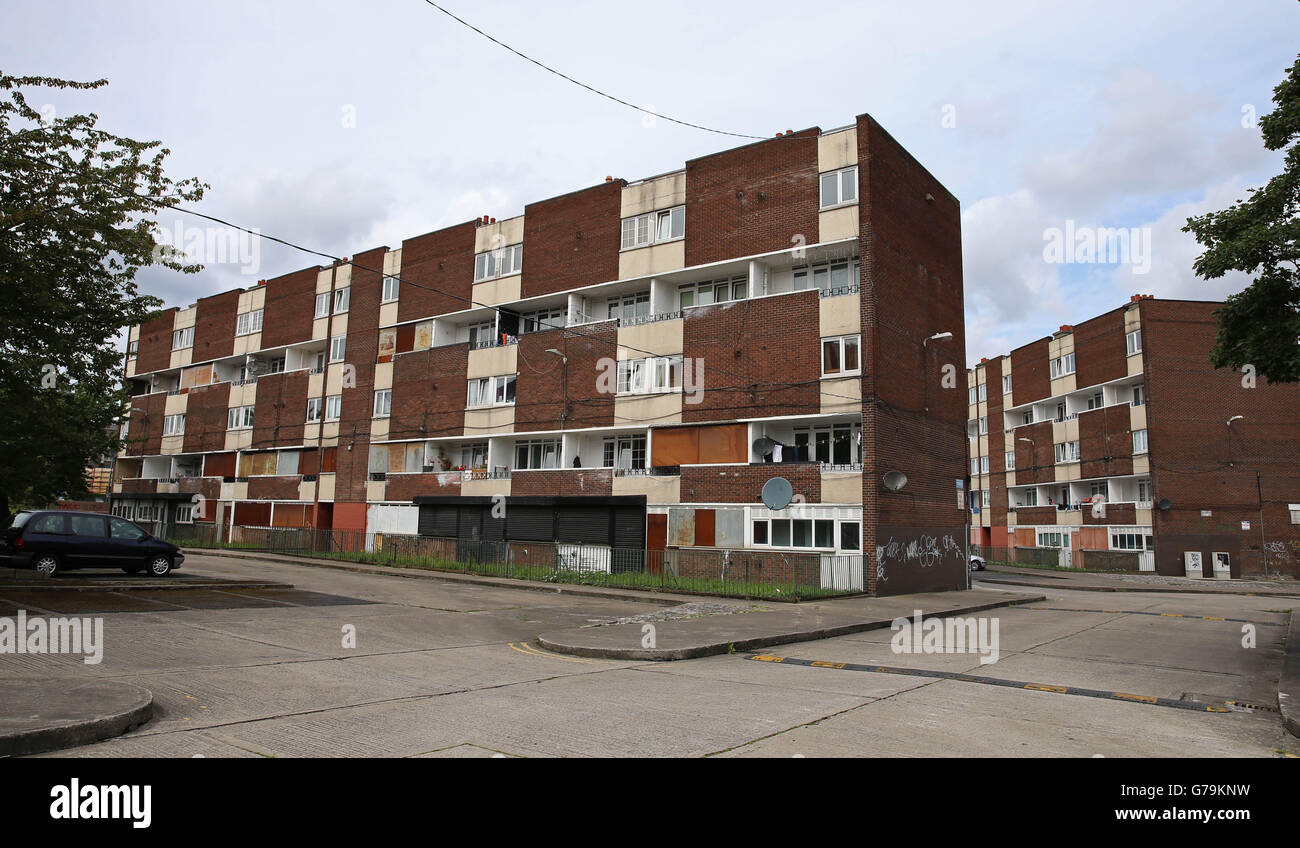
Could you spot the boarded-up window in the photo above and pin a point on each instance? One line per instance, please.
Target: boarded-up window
(263, 464)
(219, 465)
(287, 463)
(309, 461)
(387, 344)
(704, 527)
(405, 338)
(378, 459)
(328, 460)
(691, 445)
(396, 458)
(200, 375)
(423, 335)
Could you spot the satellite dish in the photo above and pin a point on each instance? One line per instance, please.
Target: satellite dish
(895, 480)
(777, 493)
(1164, 503)
(764, 446)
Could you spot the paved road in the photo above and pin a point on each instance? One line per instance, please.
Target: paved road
(450, 669)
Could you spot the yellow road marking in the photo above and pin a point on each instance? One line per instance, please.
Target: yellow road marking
(1214, 618)
(768, 658)
(825, 664)
(525, 648)
(1172, 614)
(1128, 696)
(1043, 687)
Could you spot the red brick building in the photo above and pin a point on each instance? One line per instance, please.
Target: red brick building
(790, 308)
(1115, 444)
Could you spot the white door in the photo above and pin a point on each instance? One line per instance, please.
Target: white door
(1192, 563)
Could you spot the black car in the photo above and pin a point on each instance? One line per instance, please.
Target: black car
(52, 541)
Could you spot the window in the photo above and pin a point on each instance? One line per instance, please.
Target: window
(482, 335)
(543, 319)
(491, 391)
(276, 365)
(840, 356)
(383, 403)
(712, 291)
(390, 289)
(984, 465)
(972, 394)
(1096, 401)
(185, 514)
(1133, 342)
(985, 500)
(624, 452)
(338, 347)
(1060, 412)
(1067, 452)
(653, 227)
(652, 374)
(806, 533)
(839, 187)
(1011, 460)
(841, 274)
(628, 305)
(1030, 497)
(1144, 490)
(984, 393)
(1062, 366)
(1294, 509)
(239, 417)
(333, 407)
(984, 424)
(132, 350)
(1050, 539)
(501, 262)
(323, 305)
(1128, 541)
(314, 406)
(1006, 384)
(1027, 417)
(837, 444)
(248, 323)
(120, 528)
(173, 425)
(342, 297)
(182, 339)
(1099, 487)
(974, 465)
(90, 526)
(1139, 441)
(532, 454)
(1139, 395)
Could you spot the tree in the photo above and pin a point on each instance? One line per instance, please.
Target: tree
(77, 208)
(1260, 236)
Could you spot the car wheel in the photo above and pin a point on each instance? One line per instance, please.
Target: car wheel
(46, 565)
(160, 566)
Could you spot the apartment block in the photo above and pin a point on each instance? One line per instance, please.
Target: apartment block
(622, 368)
(1114, 444)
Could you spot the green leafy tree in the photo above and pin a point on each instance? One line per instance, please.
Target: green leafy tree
(1260, 236)
(77, 212)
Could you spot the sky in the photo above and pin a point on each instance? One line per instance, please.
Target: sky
(349, 125)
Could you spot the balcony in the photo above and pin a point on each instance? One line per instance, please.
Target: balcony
(649, 319)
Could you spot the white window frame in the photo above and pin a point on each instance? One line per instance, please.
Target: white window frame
(1006, 384)
(736, 288)
(649, 228)
(183, 338)
(132, 349)
(769, 529)
(842, 344)
(1139, 395)
(1062, 366)
(626, 306)
(845, 184)
(983, 391)
(391, 288)
(614, 448)
(342, 299)
(242, 416)
(383, 403)
(551, 450)
(649, 375)
(543, 319)
(498, 262)
(333, 407)
(821, 276)
(174, 425)
(485, 392)
(1133, 342)
(1140, 443)
(1051, 539)
(185, 513)
(338, 348)
(315, 407)
(248, 323)
(1010, 461)
(1066, 452)
(1294, 510)
(323, 304)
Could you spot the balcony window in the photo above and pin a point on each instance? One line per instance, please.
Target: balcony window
(832, 444)
(482, 335)
(712, 291)
(1139, 395)
(624, 452)
(531, 454)
(827, 276)
(839, 187)
(653, 227)
(1051, 539)
(543, 319)
(628, 306)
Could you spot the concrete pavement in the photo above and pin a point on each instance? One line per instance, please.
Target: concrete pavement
(62, 713)
(1043, 578)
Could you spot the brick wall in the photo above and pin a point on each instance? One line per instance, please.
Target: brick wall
(756, 357)
(290, 308)
(540, 390)
(1200, 463)
(1030, 378)
(1036, 461)
(214, 326)
(359, 401)
(155, 349)
(281, 410)
(914, 394)
(404, 487)
(753, 199)
(572, 240)
(1099, 352)
(744, 483)
(1105, 442)
(429, 390)
(206, 418)
(279, 488)
(442, 260)
(144, 432)
(586, 481)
